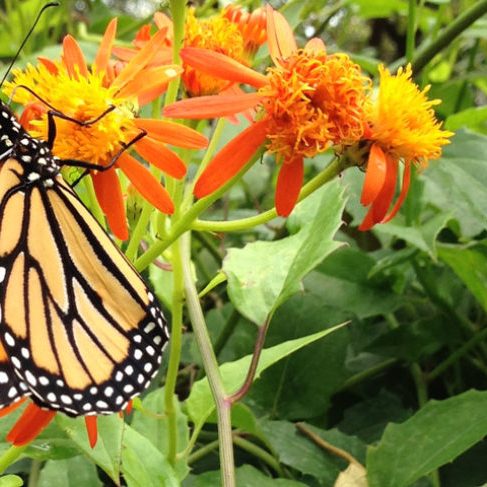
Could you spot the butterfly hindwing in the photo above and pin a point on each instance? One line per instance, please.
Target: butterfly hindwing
(79, 325)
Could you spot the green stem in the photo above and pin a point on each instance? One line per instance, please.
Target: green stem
(260, 453)
(203, 451)
(421, 384)
(94, 206)
(184, 222)
(411, 31)
(223, 406)
(364, 375)
(178, 10)
(428, 51)
(457, 355)
(463, 88)
(10, 456)
(331, 171)
(34, 474)
(175, 350)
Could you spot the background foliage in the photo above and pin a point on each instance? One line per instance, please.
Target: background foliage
(401, 389)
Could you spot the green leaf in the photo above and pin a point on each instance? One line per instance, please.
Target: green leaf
(301, 453)
(74, 472)
(107, 451)
(457, 183)
(264, 274)
(345, 274)
(11, 481)
(422, 236)
(470, 265)
(473, 118)
(200, 402)
(143, 465)
(151, 422)
(434, 436)
(287, 390)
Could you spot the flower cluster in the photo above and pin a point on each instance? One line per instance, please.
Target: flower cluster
(308, 102)
(311, 101)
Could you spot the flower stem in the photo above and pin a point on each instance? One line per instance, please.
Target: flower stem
(428, 51)
(10, 456)
(178, 10)
(223, 406)
(260, 453)
(184, 222)
(330, 172)
(259, 345)
(411, 30)
(175, 350)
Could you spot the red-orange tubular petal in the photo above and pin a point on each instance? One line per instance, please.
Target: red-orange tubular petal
(406, 179)
(109, 195)
(221, 66)
(160, 156)
(92, 429)
(383, 200)
(280, 36)
(140, 60)
(212, 106)
(145, 183)
(30, 424)
(73, 57)
(172, 133)
(375, 175)
(289, 182)
(11, 407)
(105, 49)
(233, 157)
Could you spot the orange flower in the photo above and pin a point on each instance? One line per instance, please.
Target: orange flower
(84, 93)
(309, 101)
(233, 32)
(402, 127)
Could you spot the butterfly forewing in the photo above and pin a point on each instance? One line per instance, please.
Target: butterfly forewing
(79, 326)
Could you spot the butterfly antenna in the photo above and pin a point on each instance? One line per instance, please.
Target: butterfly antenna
(26, 38)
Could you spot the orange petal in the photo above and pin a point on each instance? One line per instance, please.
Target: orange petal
(124, 53)
(30, 424)
(375, 175)
(145, 183)
(73, 57)
(162, 21)
(91, 429)
(50, 65)
(140, 60)
(383, 200)
(172, 133)
(315, 45)
(406, 179)
(221, 66)
(280, 36)
(160, 156)
(109, 195)
(105, 49)
(32, 111)
(231, 159)
(149, 78)
(289, 184)
(129, 407)
(212, 106)
(11, 407)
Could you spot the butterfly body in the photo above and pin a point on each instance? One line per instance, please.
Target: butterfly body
(80, 331)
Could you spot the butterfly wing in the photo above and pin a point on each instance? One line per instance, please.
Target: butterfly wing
(79, 324)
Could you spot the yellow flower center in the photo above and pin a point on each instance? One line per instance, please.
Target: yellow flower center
(403, 121)
(216, 34)
(83, 99)
(314, 100)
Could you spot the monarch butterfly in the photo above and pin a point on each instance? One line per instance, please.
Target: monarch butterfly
(80, 331)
